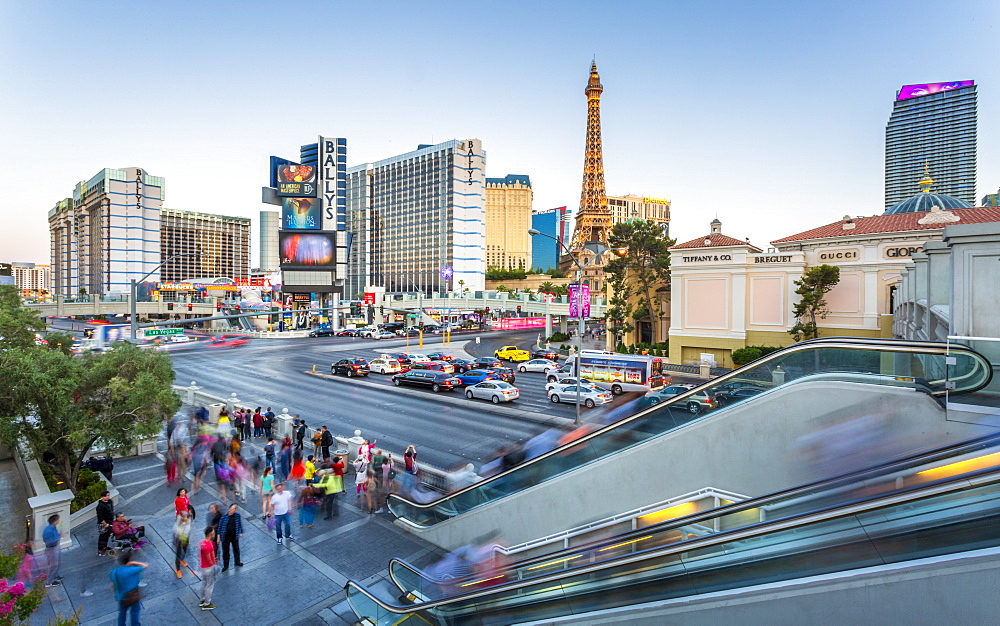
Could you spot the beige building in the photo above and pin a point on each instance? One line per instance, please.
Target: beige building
(508, 218)
(222, 242)
(656, 210)
(32, 278)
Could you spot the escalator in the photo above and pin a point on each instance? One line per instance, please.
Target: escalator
(943, 502)
(892, 389)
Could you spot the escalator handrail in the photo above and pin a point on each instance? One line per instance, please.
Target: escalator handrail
(958, 483)
(929, 456)
(929, 348)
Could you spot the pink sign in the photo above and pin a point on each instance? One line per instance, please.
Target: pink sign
(915, 91)
(518, 323)
(579, 300)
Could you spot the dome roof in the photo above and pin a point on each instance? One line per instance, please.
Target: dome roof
(923, 201)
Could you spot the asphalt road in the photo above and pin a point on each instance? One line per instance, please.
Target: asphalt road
(269, 372)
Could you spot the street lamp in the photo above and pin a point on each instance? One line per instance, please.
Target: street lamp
(420, 314)
(133, 294)
(598, 249)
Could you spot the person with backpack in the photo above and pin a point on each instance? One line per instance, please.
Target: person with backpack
(258, 423)
(125, 581)
(269, 420)
(326, 441)
(300, 435)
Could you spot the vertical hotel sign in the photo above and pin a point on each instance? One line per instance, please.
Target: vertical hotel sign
(579, 300)
(328, 184)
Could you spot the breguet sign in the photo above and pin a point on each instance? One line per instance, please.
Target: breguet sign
(773, 258)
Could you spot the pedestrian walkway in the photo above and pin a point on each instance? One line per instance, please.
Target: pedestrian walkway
(14, 504)
(300, 582)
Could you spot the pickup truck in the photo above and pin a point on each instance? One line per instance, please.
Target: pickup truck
(512, 353)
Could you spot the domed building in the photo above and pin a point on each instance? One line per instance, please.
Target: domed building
(926, 201)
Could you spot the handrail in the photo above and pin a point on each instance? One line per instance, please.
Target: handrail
(766, 500)
(914, 347)
(959, 483)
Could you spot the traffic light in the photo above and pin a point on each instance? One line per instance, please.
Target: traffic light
(356, 309)
(190, 307)
(170, 306)
(218, 306)
(487, 309)
(237, 308)
(519, 310)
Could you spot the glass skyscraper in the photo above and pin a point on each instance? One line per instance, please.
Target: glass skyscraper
(417, 220)
(934, 125)
(545, 253)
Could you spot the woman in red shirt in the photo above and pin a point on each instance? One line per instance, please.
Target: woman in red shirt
(181, 502)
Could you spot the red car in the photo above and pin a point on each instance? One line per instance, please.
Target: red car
(231, 341)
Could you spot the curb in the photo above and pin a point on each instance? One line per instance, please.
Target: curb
(525, 416)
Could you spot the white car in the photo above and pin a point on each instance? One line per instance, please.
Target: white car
(589, 396)
(558, 373)
(382, 334)
(384, 366)
(566, 382)
(417, 357)
(537, 365)
(495, 391)
(179, 339)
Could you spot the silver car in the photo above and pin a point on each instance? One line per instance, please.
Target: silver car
(566, 382)
(589, 396)
(536, 365)
(496, 391)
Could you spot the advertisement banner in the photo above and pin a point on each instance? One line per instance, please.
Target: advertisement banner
(300, 214)
(369, 297)
(307, 250)
(519, 323)
(296, 180)
(328, 169)
(581, 298)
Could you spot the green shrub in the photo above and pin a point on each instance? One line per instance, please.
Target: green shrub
(558, 336)
(742, 356)
(620, 348)
(90, 493)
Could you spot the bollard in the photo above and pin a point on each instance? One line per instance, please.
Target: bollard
(778, 376)
(314, 368)
(231, 404)
(285, 424)
(191, 390)
(353, 444)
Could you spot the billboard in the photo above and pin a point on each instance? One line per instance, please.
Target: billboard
(307, 250)
(584, 300)
(332, 192)
(369, 297)
(915, 91)
(300, 214)
(295, 180)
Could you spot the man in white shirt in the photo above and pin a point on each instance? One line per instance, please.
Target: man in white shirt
(281, 511)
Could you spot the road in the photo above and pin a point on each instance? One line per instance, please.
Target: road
(270, 373)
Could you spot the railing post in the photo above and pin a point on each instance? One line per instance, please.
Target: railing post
(191, 391)
(231, 403)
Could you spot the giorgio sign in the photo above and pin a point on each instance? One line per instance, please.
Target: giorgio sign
(902, 252)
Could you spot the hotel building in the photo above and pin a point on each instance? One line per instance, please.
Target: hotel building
(417, 220)
(221, 242)
(556, 223)
(508, 218)
(30, 277)
(107, 233)
(656, 210)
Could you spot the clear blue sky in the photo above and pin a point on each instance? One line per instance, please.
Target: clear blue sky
(769, 115)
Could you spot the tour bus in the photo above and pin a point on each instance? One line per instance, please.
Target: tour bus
(621, 372)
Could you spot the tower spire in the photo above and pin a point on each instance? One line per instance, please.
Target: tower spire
(593, 220)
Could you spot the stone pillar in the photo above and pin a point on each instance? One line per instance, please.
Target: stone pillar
(191, 391)
(284, 424)
(42, 506)
(353, 444)
(232, 403)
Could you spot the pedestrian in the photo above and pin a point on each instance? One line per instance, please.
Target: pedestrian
(230, 530)
(281, 508)
(258, 423)
(51, 537)
(365, 450)
(266, 489)
(360, 474)
(125, 581)
(310, 469)
(388, 474)
(331, 488)
(371, 491)
(269, 450)
(183, 462)
(317, 441)
(207, 552)
(181, 502)
(269, 420)
(285, 460)
(182, 536)
(170, 464)
(214, 515)
(247, 424)
(307, 506)
(410, 460)
(339, 469)
(326, 440)
(105, 518)
(300, 435)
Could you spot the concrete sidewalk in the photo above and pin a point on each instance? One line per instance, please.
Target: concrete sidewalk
(300, 582)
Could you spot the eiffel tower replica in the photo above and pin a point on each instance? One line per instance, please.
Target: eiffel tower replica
(593, 220)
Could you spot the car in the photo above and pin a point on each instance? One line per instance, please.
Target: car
(402, 357)
(322, 332)
(559, 385)
(385, 366)
(733, 385)
(472, 377)
(486, 361)
(496, 391)
(701, 402)
(463, 365)
(503, 373)
(660, 395)
(180, 339)
(417, 357)
(350, 367)
(536, 365)
(735, 395)
(413, 331)
(437, 381)
(512, 354)
(230, 341)
(589, 396)
(349, 332)
(437, 366)
(382, 334)
(558, 373)
(439, 356)
(551, 355)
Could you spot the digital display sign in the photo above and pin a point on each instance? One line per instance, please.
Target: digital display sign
(295, 180)
(307, 250)
(915, 91)
(300, 213)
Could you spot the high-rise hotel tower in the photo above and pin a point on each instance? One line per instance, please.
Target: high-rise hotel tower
(933, 126)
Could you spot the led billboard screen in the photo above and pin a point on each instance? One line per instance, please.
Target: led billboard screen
(307, 250)
(300, 213)
(915, 91)
(295, 180)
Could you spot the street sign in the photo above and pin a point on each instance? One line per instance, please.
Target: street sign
(411, 315)
(156, 332)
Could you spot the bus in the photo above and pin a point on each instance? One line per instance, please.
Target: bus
(621, 372)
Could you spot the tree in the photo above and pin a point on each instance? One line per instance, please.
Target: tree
(816, 282)
(59, 405)
(547, 287)
(638, 268)
(18, 324)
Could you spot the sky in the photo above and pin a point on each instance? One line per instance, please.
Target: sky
(768, 115)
